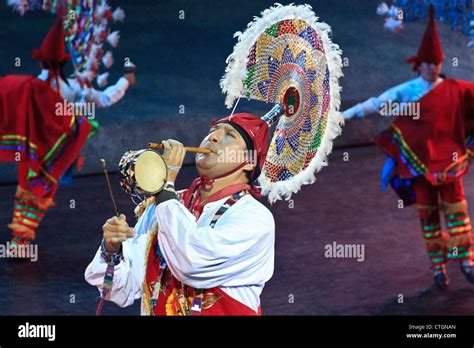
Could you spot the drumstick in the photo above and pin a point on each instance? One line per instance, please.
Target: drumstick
(188, 148)
(102, 163)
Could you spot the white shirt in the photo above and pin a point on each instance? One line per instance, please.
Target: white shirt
(236, 255)
(407, 92)
(74, 93)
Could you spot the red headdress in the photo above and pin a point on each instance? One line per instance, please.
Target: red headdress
(254, 131)
(52, 51)
(430, 50)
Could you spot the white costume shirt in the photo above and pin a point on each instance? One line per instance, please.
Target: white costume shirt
(236, 255)
(407, 92)
(75, 94)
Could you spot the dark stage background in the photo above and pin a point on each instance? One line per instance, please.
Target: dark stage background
(180, 62)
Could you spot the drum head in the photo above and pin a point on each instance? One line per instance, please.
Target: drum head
(150, 172)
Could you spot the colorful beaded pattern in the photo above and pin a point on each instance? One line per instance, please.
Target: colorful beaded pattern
(290, 55)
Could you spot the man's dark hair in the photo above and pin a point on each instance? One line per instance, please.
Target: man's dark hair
(248, 174)
(61, 70)
(250, 147)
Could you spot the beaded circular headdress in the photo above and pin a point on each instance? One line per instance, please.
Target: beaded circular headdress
(286, 58)
(87, 34)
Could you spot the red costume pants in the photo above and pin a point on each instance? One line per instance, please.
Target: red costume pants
(449, 199)
(28, 210)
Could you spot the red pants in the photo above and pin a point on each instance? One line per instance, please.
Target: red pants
(28, 210)
(449, 198)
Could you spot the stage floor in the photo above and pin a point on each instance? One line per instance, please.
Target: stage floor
(344, 206)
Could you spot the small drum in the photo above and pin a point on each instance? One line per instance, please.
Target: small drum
(142, 171)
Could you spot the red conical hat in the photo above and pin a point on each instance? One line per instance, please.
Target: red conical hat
(52, 49)
(430, 50)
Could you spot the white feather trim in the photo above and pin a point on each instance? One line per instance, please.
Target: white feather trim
(118, 15)
(20, 6)
(101, 9)
(92, 62)
(392, 24)
(382, 9)
(108, 59)
(102, 79)
(393, 12)
(99, 31)
(85, 75)
(235, 72)
(96, 50)
(113, 38)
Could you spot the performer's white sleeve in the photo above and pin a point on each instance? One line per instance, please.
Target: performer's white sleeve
(238, 251)
(373, 104)
(109, 96)
(129, 273)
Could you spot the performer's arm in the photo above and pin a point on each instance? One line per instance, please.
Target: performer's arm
(238, 251)
(109, 96)
(129, 273)
(373, 104)
(468, 94)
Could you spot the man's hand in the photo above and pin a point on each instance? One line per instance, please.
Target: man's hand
(116, 231)
(173, 155)
(129, 72)
(131, 78)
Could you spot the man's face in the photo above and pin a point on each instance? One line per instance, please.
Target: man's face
(429, 71)
(228, 150)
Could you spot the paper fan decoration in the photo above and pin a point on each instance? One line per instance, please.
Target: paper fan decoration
(286, 58)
